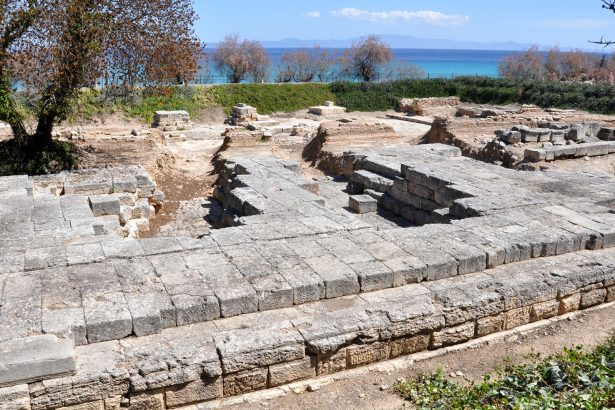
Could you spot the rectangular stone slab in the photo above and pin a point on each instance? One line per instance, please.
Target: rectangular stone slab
(34, 359)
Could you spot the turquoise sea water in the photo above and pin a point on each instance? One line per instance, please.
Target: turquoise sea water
(436, 63)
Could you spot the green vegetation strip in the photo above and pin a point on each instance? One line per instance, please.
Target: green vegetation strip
(574, 379)
(271, 98)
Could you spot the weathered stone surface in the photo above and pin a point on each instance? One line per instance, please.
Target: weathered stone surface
(453, 335)
(518, 317)
(570, 303)
(409, 345)
(194, 392)
(243, 349)
(363, 204)
(35, 358)
(15, 398)
(544, 310)
(491, 324)
(244, 382)
(361, 355)
(285, 373)
(332, 362)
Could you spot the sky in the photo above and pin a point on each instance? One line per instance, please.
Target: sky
(564, 23)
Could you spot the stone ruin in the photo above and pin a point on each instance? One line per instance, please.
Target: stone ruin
(336, 136)
(245, 115)
(560, 140)
(172, 120)
(429, 106)
(295, 286)
(329, 108)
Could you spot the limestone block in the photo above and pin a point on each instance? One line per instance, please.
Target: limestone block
(518, 317)
(544, 310)
(147, 401)
(272, 291)
(610, 295)
(82, 254)
(143, 210)
(331, 362)
(593, 298)
(195, 309)
(125, 214)
(339, 279)
(489, 325)
(360, 355)
(15, 398)
(35, 358)
(535, 154)
(107, 317)
(105, 205)
(607, 134)
(150, 312)
(65, 323)
(280, 374)
(244, 349)
(244, 382)
(363, 204)
(42, 258)
(570, 303)
(453, 335)
(373, 275)
(409, 345)
(92, 405)
(194, 392)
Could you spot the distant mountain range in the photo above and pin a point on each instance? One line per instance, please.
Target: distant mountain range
(397, 41)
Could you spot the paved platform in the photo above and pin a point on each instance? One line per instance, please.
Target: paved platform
(298, 286)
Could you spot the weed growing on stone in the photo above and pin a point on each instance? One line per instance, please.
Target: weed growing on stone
(574, 379)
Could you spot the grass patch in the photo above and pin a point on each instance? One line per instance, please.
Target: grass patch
(270, 98)
(574, 379)
(52, 158)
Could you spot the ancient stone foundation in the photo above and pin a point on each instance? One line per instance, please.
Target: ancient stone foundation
(296, 287)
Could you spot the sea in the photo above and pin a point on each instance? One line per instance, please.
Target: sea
(435, 63)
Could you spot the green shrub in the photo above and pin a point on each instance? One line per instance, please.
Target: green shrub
(572, 380)
(270, 98)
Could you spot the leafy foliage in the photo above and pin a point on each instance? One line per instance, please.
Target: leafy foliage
(572, 380)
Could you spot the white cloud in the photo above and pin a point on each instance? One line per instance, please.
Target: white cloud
(406, 16)
(578, 24)
(312, 14)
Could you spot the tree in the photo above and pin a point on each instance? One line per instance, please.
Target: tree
(304, 66)
(50, 49)
(608, 5)
(366, 58)
(241, 60)
(523, 66)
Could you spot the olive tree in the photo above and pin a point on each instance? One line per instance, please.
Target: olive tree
(50, 49)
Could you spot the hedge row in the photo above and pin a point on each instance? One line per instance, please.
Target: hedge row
(383, 96)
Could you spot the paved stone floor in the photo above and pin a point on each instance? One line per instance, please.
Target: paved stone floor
(299, 286)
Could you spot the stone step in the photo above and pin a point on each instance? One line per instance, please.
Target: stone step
(34, 359)
(371, 180)
(232, 356)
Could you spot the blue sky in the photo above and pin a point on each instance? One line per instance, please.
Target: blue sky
(567, 23)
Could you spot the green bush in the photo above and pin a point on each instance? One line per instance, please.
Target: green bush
(572, 380)
(270, 98)
(481, 90)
